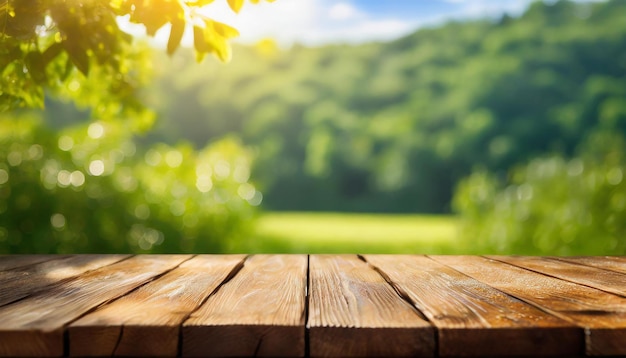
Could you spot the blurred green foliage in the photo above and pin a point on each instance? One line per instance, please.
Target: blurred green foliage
(392, 127)
(83, 182)
(552, 205)
(378, 127)
(88, 188)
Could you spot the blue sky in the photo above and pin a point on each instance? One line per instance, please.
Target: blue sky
(315, 22)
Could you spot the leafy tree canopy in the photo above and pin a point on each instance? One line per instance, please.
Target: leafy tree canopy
(42, 42)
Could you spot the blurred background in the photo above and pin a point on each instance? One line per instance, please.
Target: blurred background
(435, 126)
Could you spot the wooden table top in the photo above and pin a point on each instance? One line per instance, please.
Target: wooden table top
(311, 305)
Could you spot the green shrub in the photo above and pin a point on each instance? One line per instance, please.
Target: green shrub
(89, 189)
(551, 205)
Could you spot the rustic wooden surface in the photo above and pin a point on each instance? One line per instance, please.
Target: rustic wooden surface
(473, 318)
(260, 311)
(147, 321)
(317, 305)
(601, 314)
(353, 311)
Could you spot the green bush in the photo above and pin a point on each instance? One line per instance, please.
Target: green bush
(552, 205)
(89, 189)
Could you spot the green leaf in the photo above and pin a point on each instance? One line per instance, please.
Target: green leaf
(36, 66)
(78, 56)
(52, 52)
(176, 34)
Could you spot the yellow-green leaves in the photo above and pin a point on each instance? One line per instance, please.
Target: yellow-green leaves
(176, 35)
(198, 3)
(212, 38)
(235, 5)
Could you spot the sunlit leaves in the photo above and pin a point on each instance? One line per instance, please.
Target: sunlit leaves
(198, 3)
(212, 38)
(235, 5)
(154, 14)
(176, 35)
(35, 33)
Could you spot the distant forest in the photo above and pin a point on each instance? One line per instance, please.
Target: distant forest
(394, 126)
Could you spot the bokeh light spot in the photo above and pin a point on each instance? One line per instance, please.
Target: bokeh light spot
(73, 86)
(177, 208)
(575, 167)
(14, 158)
(256, 199)
(63, 178)
(95, 130)
(204, 183)
(153, 158)
(241, 174)
(77, 178)
(246, 191)
(35, 152)
(173, 158)
(58, 221)
(222, 169)
(96, 167)
(142, 212)
(66, 143)
(4, 176)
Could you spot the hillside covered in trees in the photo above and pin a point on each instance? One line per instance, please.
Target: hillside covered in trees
(392, 127)
(517, 125)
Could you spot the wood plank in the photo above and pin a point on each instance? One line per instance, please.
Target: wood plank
(34, 326)
(24, 281)
(147, 321)
(260, 311)
(9, 262)
(604, 280)
(603, 315)
(474, 319)
(354, 312)
(611, 263)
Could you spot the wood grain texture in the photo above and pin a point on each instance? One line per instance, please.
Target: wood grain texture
(9, 262)
(26, 280)
(603, 315)
(611, 263)
(604, 280)
(353, 311)
(34, 326)
(474, 319)
(260, 311)
(147, 321)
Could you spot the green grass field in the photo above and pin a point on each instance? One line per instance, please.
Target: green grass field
(295, 232)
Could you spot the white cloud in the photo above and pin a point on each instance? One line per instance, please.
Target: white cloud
(310, 22)
(315, 22)
(343, 11)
